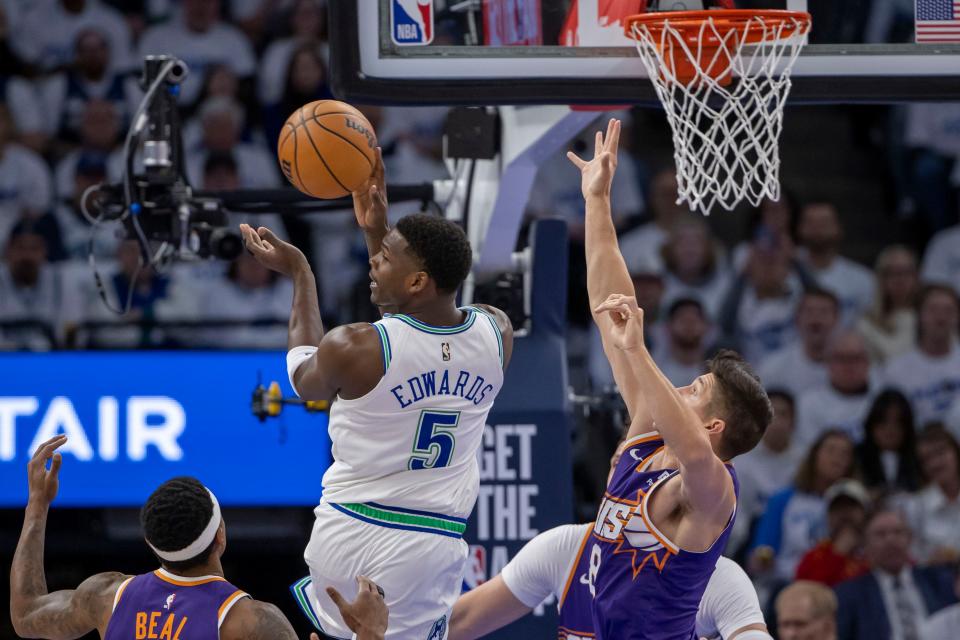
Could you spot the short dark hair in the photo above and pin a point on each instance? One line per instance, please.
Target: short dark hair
(441, 246)
(826, 294)
(680, 303)
(741, 401)
(933, 288)
(175, 515)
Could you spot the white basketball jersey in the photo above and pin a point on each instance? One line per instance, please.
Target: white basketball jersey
(412, 441)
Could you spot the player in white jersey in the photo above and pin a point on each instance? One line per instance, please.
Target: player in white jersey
(545, 567)
(412, 393)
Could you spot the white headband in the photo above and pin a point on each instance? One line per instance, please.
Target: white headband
(203, 541)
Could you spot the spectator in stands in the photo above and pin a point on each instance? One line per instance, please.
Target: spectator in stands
(893, 599)
(801, 364)
(693, 267)
(758, 311)
(890, 325)
(806, 611)
(251, 293)
(89, 169)
(821, 234)
(839, 556)
(844, 401)
(682, 356)
(932, 133)
(100, 128)
(49, 29)
(222, 122)
(887, 455)
(768, 467)
(929, 374)
(67, 94)
(943, 623)
(306, 25)
(306, 81)
(24, 178)
(30, 289)
(17, 92)
(795, 517)
(935, 511)
(649, 238)
(941, 262)
(199, 38)
(11, 62)
(772, 219)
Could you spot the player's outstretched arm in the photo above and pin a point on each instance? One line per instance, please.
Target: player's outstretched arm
(483, 610)
(706, 484)
(370, 207)
(506, 330)
(34, 612)
(606, 270)
(256, 620)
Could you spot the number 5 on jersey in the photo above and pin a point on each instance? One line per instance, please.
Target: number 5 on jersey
(434, 444)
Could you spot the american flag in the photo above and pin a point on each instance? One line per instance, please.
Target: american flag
(938, 20)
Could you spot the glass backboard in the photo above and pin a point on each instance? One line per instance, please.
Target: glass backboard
(575, 52)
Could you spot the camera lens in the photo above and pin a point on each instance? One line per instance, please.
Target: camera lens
(225, 243)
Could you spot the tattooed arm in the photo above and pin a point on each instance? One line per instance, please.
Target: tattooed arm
(255, 620)
(61, 615)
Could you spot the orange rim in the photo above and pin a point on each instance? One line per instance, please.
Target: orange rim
(689, 23)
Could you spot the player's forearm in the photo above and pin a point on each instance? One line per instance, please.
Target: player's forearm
(27, 580)
(606, 270)
(678, 424)
(306, 326)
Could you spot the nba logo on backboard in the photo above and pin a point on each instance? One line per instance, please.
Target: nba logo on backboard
(476, 571)
(411, 22)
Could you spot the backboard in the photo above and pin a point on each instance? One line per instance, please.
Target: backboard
(568, 52)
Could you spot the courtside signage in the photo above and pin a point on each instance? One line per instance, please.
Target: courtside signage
(136, 419)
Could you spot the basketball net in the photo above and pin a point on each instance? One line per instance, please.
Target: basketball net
(723, 78)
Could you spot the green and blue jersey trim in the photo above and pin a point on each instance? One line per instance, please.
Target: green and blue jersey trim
(441, 331)
(406, 519)
(496, 331)
(384, 345)
(299, 591)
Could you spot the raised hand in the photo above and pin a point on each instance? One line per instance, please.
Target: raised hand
(370, 200)
(367, 615)
(44, 483)
(627, 317)
(597, 174)
(271, 251)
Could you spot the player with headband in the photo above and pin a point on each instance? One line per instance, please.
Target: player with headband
(187, 598)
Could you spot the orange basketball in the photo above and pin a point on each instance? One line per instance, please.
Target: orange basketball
(327, 149)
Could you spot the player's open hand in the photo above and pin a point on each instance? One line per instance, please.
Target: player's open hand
(44, 483)
(367, 615)
(271, 251)
(597, 174)
(370, 200)
(627, 320)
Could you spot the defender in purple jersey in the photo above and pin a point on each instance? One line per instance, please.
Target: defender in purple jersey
(187, 598)
(670, 503)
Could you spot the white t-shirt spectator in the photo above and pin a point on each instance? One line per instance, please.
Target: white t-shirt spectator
(709, 293)
(934, 126)
(931, 384)
(935, 521)
(24, 184)
(941, 262)
(822, 409)
(256, 167)
(274, 64)
(764, 326)
(790, 369)
(43, 303)
(541, 568)
(761, 472)
(47, 33)
(24, 105)
(229, 301)
(221, 44)
(646, 240)
(58, 106)
(679, 374)
(851, 282)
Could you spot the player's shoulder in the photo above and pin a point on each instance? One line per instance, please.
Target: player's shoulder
(562, 539)
(351, 336)
(96, 595)
(499, 316)
(251, 619)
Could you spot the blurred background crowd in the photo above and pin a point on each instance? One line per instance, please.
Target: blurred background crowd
(843, 294)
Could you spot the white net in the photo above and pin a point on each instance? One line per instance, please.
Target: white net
(724, 97)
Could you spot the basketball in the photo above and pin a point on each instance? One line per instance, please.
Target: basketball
(327, 149)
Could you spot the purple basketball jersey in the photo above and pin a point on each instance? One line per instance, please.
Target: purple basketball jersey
(576, 617)
(644, 586)
(165, 606)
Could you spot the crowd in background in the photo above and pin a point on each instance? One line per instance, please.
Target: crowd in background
(856, 484)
